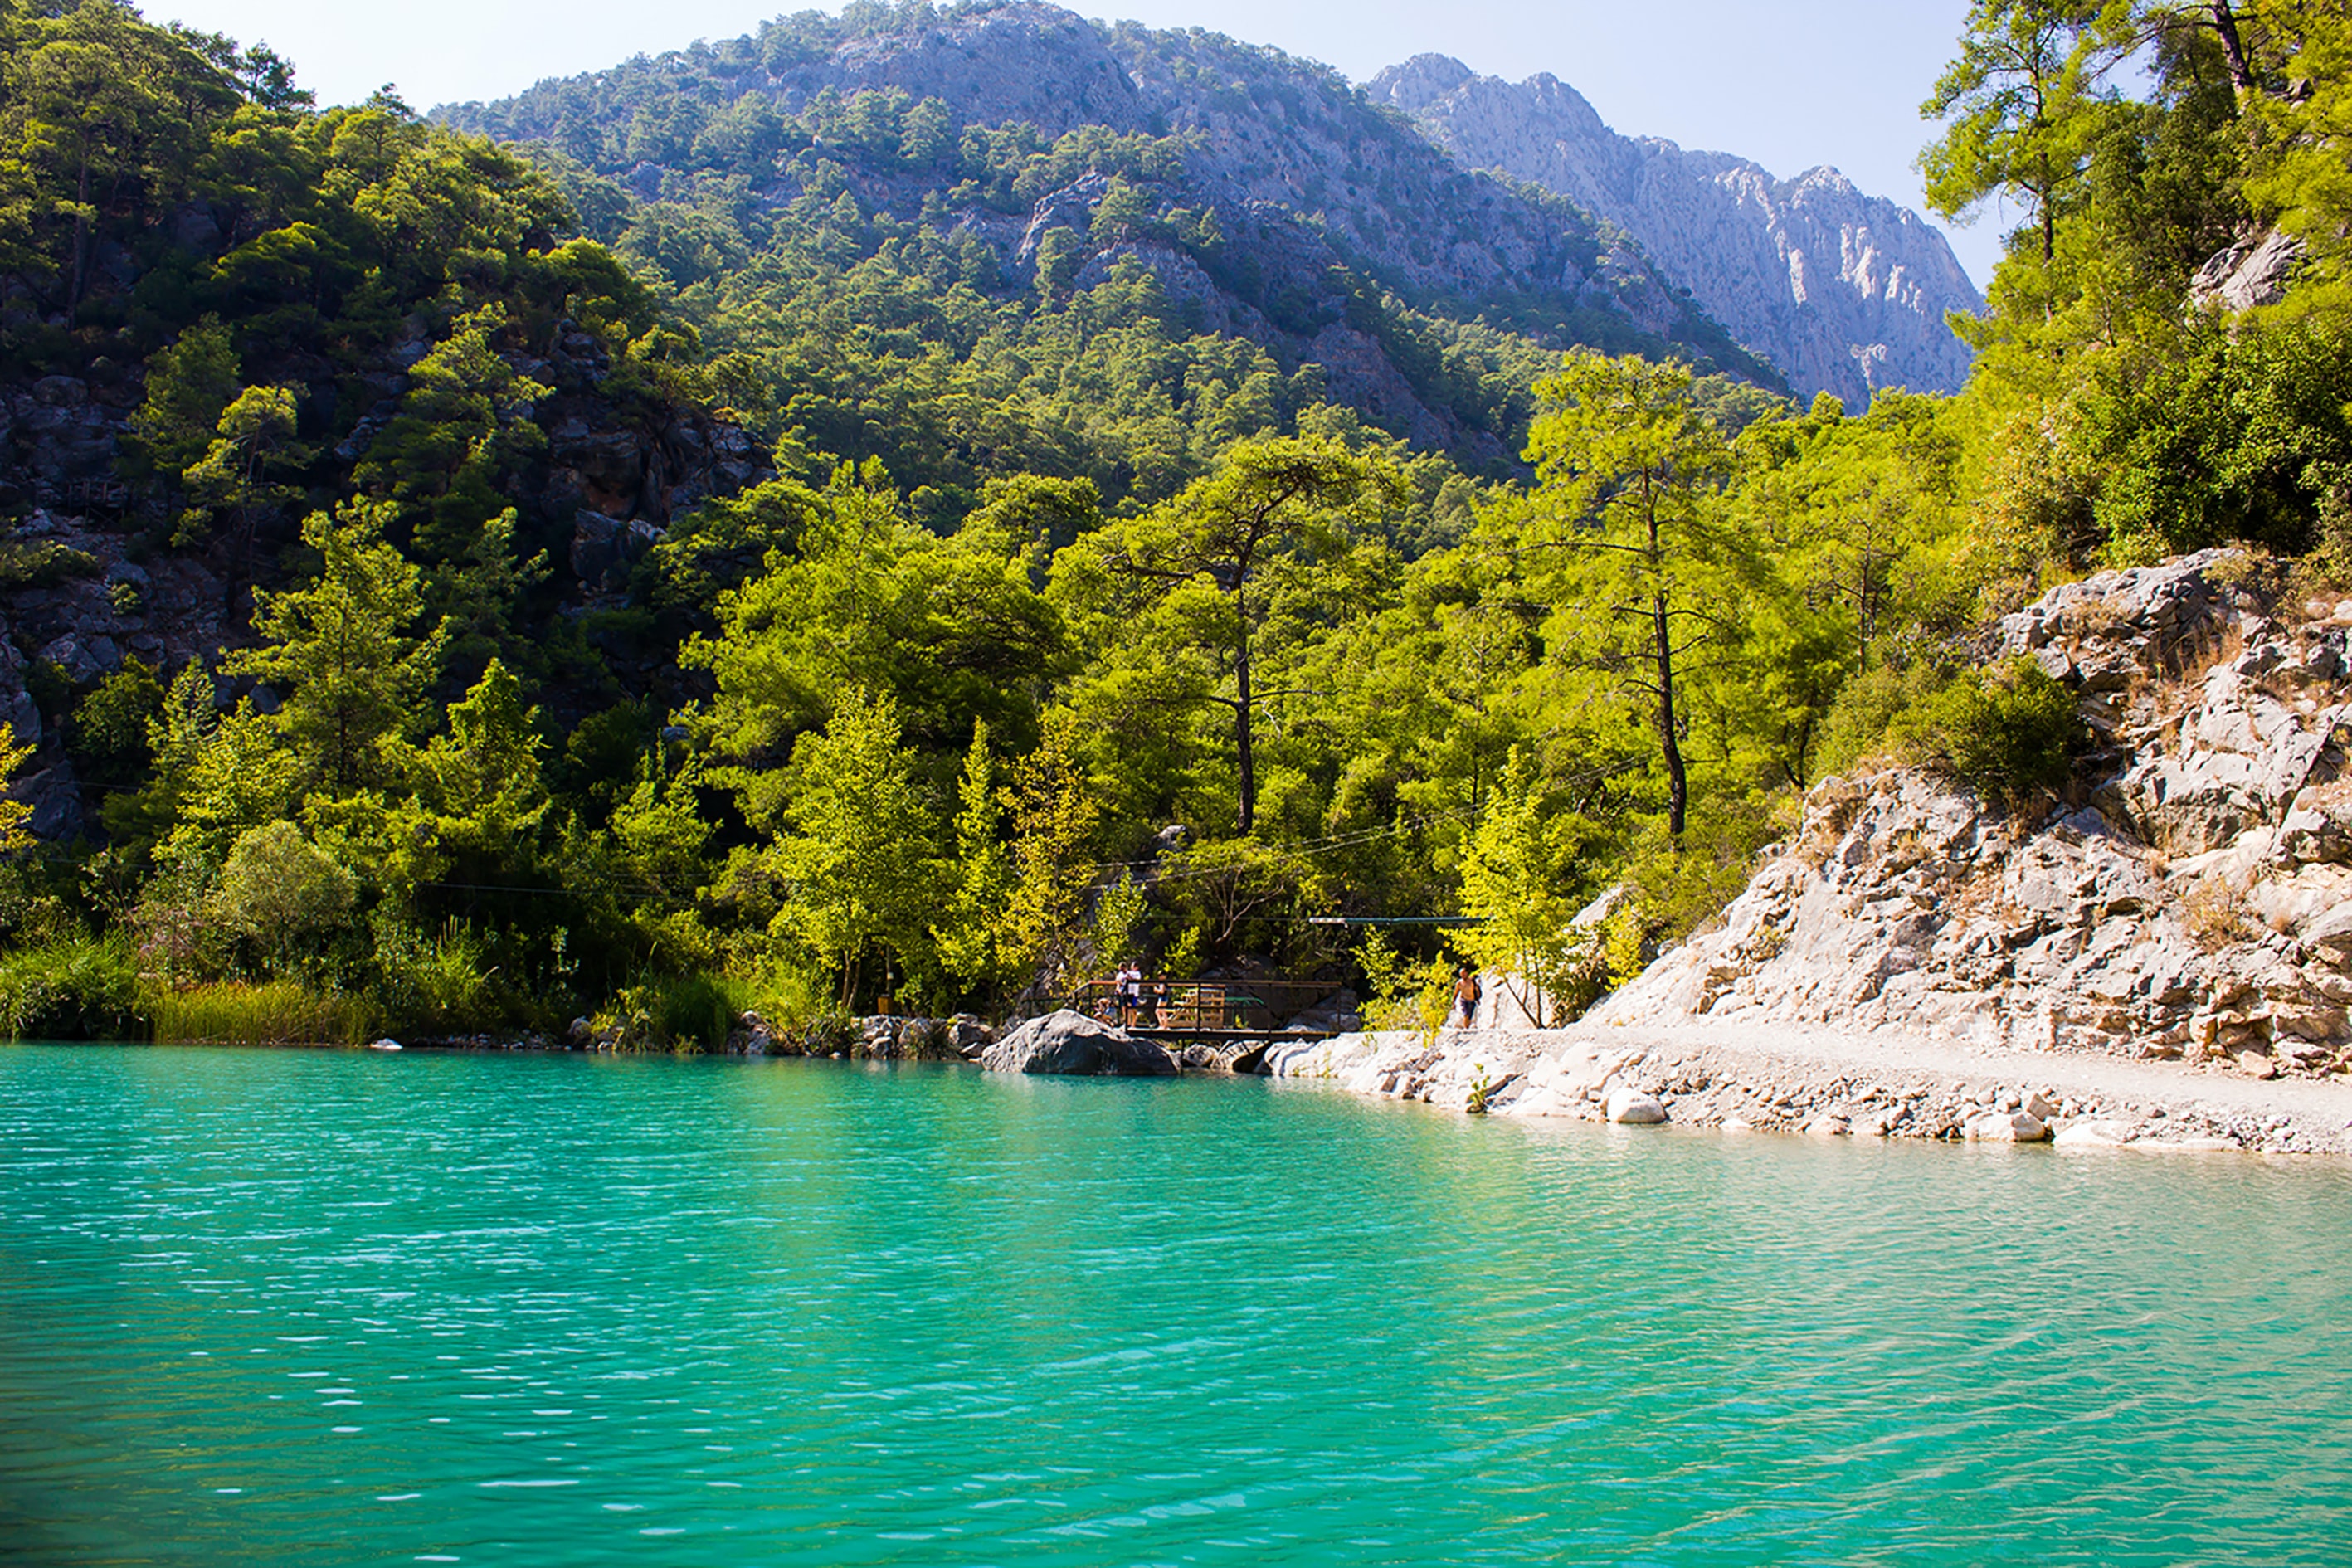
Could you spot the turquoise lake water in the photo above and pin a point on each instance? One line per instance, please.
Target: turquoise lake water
(348, 1308)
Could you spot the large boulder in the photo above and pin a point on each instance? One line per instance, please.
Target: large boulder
(1074, 1045)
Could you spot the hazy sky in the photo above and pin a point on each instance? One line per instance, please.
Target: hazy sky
(1788, 84)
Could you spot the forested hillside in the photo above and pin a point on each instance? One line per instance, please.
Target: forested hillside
(1001, 238)
(711, 555)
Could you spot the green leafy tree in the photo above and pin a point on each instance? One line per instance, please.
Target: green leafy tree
(217, 775)
(2303, 175)
(1117, 925)
(648, 872)
(2019, 103)
(1642, 569)
(99, 114)
(1271, 503)
(1054, 815)
(462, 423)
(1524, 877)
(345, 651)
(15, 815)
(482, 774)
(189, 382)
(967, 938)
(856, 854)
(277, 888)
(952, 629)
(254, 432)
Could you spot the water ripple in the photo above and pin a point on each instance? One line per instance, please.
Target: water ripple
(335, 1308)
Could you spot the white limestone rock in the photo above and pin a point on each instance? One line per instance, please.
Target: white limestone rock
(1631, 1108)
(1845, 293)
(2200, 907)
(2007, 1127)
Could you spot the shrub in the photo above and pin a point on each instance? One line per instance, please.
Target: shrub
(43, 565)
(70, 988)
(2215, 914)
(1677, 888)
(1406, 995)
(434, 981)
(278, 887)
(676, 1013)
(2010, 734)
(1866, 707)
(800, 1007)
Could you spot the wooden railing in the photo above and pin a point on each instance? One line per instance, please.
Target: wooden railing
(1224, 1005)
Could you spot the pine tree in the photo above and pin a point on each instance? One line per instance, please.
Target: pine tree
(1624, 535)
(345, 652)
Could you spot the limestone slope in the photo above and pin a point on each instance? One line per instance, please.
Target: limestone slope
(2196, 901)
(1845, 293)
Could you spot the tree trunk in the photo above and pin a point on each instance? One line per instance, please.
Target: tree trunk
(1677, 780)
(81, 237)
(2233, 49)
(1243, 748)
(1662, 647)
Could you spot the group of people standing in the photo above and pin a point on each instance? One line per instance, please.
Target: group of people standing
(1128, 987)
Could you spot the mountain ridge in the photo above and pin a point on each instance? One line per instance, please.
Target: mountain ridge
(1324, 203)
(1843, 292)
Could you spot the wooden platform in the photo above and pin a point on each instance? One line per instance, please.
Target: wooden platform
(1150, 1033)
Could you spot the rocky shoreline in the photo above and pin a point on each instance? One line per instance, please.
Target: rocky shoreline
(1813, 1083)
(1826, 1085)
(2161, 959)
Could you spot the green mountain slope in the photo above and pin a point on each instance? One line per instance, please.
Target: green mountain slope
(1122, 245)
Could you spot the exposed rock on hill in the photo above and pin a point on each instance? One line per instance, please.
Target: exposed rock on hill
(2197, 904)
(1316, 201)
(1845, 293)
(2253, 270)
(83, 586)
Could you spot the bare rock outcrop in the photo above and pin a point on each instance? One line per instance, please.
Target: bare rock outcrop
(2198, 904)
(1845, 293)
(1073, 1044)
(2251, 271)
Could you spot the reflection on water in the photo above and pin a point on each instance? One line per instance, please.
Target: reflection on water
(334, 1308)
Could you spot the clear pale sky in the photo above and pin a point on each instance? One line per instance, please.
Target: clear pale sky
(1789, 83)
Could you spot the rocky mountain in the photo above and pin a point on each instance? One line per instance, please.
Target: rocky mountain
(1281, 205)
(1843, 292)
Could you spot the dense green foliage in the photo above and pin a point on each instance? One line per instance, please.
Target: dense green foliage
(1067, 627)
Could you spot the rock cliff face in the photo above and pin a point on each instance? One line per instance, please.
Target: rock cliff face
(1845, 293)
(84, 586)
(2197, 903)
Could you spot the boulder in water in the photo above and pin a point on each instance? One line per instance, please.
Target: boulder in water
(1074, 1045)
(1631, 1108)
(2008, 1127)
(969, 1036)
